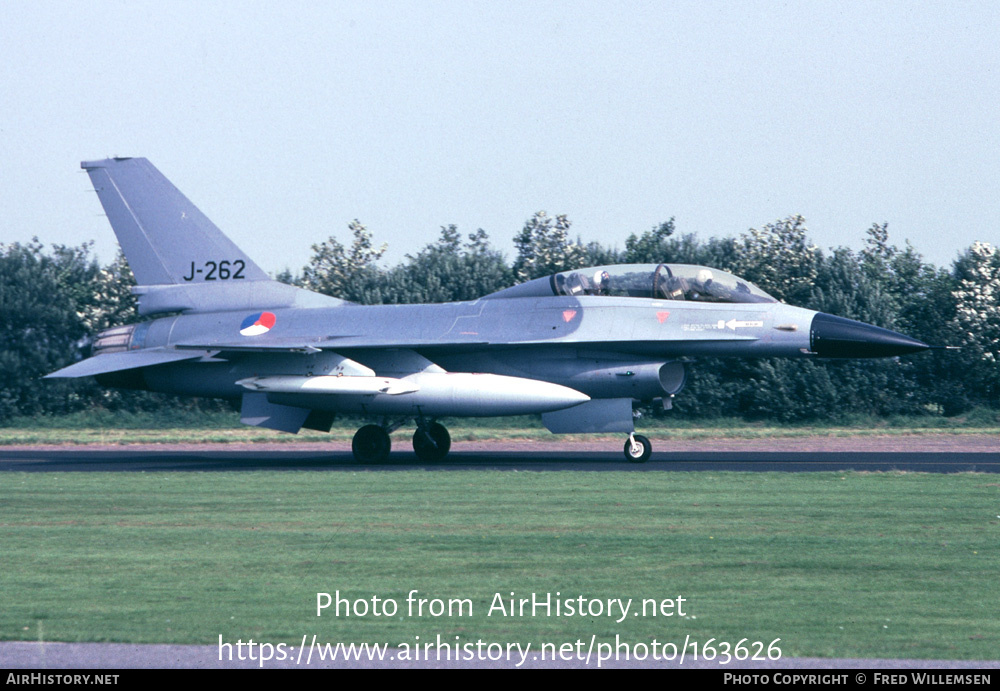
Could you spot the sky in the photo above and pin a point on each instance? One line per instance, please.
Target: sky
(285, 121)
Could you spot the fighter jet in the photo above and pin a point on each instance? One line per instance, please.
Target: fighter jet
(578, 347)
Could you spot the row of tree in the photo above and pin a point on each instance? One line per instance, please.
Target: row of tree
(52, 300)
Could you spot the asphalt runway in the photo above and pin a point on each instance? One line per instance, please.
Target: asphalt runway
(224, 459)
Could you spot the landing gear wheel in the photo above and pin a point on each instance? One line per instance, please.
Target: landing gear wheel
(431, 442)
(638, 449)
(371, 445)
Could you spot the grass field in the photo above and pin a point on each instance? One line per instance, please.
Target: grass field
(833, 564)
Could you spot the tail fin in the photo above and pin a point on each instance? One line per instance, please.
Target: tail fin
(182, 262)
(166, 239)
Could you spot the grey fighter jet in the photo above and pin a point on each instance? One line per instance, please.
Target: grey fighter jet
(579, 347)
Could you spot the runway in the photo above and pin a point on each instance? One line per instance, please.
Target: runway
(938, 455)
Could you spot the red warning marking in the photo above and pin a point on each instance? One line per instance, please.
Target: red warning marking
(662, 316)
(568, 315)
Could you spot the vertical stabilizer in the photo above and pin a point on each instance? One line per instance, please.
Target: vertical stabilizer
(166, 239)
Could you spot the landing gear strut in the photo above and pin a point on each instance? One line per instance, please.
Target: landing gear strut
(637, 448)
(431, 441)
(371, 444)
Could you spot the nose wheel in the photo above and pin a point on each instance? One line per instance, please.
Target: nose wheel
(431, 442)
(637, 448)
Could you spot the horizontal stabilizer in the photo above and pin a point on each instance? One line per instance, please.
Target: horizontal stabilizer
(116, 362)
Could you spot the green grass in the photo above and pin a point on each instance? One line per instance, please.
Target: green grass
(833, 564)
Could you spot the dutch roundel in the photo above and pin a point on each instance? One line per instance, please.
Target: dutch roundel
(257, 324)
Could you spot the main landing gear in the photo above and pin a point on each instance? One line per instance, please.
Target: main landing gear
(372, 444)
(637, 448)
(431, 443)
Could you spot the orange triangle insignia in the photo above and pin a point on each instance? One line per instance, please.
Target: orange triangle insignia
(568, 315)
(662, 316)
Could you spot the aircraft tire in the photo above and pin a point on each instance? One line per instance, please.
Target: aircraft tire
(432, 442)
(371, 444)
(644, 448)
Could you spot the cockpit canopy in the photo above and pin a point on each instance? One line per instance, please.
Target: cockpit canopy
(656, 281)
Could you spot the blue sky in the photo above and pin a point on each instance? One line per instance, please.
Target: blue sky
(284, 121)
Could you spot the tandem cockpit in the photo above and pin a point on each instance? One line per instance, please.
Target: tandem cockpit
(651, 281)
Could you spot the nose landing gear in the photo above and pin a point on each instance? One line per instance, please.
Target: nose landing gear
(637, 448)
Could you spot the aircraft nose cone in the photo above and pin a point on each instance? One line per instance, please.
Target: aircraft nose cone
(832, 336)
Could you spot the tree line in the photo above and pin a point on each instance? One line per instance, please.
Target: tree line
(52, 301)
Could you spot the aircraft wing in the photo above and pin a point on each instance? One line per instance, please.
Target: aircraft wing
(313, 346)
(116, 362)
(273, 346)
